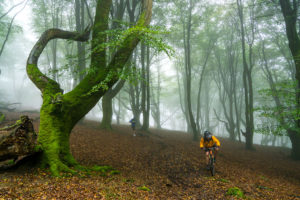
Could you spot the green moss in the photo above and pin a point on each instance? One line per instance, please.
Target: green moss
(37, 148)
(102, 169)
(144, 188)
(54, 136)
(264, 187)
(128, 180)
(11, 162)
(114, 172)
(235, 191)
(223, 180)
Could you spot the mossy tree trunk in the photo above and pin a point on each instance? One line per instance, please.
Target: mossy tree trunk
(60, 112)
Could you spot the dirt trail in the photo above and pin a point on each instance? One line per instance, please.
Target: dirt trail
(169, 162)
(166, 162)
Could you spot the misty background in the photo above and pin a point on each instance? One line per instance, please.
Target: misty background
(211, 28)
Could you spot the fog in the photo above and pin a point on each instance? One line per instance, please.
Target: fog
(205, 50)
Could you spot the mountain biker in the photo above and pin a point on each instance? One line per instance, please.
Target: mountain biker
(208, 141)
(132, 121)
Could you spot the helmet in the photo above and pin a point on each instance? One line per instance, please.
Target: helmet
(207, 135)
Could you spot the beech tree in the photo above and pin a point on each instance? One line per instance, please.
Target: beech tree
(290, 14)
(248, 64)
(60, 112)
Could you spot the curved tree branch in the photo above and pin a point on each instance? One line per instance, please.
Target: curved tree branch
(37, 77)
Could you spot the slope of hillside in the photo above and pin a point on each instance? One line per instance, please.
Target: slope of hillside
(167, 163)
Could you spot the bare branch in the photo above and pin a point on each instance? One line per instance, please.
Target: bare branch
(89, 13)
(219, 119)
(11, 9)
(9, 28)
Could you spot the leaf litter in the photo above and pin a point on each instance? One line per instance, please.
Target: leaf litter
(159, 164)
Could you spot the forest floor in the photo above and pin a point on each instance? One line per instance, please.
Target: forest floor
(167, 163)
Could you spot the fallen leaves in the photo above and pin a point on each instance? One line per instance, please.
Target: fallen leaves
(156, 165)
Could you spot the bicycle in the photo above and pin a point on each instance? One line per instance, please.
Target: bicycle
(211, 161)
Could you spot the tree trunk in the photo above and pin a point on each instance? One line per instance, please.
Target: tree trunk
(107, 113)
(290, 15)
(134, 93)
(2, 117)
(79, 15)
(147, 89)
(143, 83)
(107, 105)
(295, 139)
(145, 86)
(188, 72)
(17, 142)
(155, 99)
(247, 81)
(60, 112)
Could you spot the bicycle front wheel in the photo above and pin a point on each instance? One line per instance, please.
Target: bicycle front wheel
(212, 169)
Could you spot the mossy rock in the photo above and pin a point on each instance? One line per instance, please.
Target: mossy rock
(235, 191)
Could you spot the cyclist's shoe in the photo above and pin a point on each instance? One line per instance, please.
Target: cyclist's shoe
(207, 167)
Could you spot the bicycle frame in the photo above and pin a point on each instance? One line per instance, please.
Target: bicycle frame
(211, 161)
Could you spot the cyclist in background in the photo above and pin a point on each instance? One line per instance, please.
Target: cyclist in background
(132, 121)
(208, 141)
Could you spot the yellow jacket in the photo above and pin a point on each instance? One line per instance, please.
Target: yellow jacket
(207, 144)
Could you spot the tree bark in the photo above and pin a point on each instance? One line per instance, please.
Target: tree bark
(188, 72)
(247, 81)
(295, 139)
(17, 142)
(147, 89)
(79, 15)
(145, 86)
(155, 99)
(290, 15)
(107, 105)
